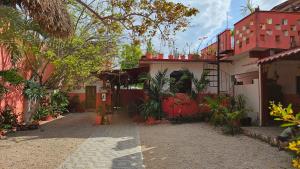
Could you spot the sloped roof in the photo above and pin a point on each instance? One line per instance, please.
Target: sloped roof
(290, 53)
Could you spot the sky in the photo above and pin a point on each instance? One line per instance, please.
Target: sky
(211, 20)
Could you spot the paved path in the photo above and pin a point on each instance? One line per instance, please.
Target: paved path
(114, 146)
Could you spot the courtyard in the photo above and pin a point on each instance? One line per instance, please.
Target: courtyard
(73, 142)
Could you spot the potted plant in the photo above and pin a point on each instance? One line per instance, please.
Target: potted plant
(150, 50)
(99, 115)
(109, 113)
(182, 57)
(171, 56)
(160, 56)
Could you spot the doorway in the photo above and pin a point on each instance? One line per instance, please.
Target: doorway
(91, 93)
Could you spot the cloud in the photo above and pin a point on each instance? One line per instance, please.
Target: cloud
(212, 17)
(267, 4)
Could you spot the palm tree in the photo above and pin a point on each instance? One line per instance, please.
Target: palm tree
(51, 15)
(248, 8)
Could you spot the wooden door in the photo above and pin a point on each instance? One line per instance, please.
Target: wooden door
(90, 92)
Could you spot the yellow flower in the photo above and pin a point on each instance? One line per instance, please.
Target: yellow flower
(296, 163)
(295, 146)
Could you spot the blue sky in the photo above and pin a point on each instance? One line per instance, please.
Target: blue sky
(211, 20)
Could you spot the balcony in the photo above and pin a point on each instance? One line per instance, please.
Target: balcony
(264, 30)
(210, 52)
(226, 42)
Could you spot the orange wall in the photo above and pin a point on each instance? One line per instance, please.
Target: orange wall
(14, 98)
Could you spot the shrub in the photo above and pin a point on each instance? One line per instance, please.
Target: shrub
(41, 114)
(59, 102)
(287, 115)
(8, 119)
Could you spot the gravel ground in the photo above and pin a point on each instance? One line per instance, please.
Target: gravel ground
(200, 146)
(47, 147)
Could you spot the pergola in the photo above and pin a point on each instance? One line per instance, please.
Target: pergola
(124, 77)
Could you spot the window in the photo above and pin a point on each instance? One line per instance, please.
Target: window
(262, 26)
(278, 27)
(270, 21)
(277, 38)
(269, 32)
(247, 40)
(293, 41)
(293, 28)
(284, 21)
(286, 33)
(183, 85)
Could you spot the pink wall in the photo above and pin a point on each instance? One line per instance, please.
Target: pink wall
(255, 31)
(14, 98)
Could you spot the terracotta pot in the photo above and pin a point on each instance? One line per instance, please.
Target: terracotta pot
(109, 118)
(150, 120)
(149, 55)
(171, 56)
(98, 120)
(160, 56)
(49, 118)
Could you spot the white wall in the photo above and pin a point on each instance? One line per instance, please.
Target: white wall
(242, 65)
(251, 93)
(195, 67)
(287, 71)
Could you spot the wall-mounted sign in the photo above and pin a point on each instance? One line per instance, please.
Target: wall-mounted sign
(103, 97)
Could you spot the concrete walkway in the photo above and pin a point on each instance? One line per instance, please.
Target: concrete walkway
(109, 147)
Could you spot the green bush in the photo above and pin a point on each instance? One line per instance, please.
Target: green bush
(59, 102)
(8, 119)
(42, 113)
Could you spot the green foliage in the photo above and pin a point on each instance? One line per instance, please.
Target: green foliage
(150, 47)
(218, 117)
(156, 91)
(42, 113)
(176, 85)
(7, 118)
(248, 8)
(34, 91)
(130, 56)
(151, 108)
(11, 76)
(59, 102)
(200, 84)
(224, 116)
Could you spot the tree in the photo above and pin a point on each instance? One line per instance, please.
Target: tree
(248, 8)
(141, 17)
(130, 56)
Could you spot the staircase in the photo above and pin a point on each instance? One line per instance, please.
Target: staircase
(226, 84)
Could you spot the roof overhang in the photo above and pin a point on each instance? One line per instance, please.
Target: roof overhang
(293, 54)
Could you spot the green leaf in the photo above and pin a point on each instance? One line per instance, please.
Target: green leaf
(288, 124)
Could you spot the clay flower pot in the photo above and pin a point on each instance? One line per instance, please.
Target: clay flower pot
(160, 56)
(98, 120)
(149, 55)
(150, 121)
(171, 56)
(49, 118)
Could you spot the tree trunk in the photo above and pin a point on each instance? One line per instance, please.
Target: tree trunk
(32, 107)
